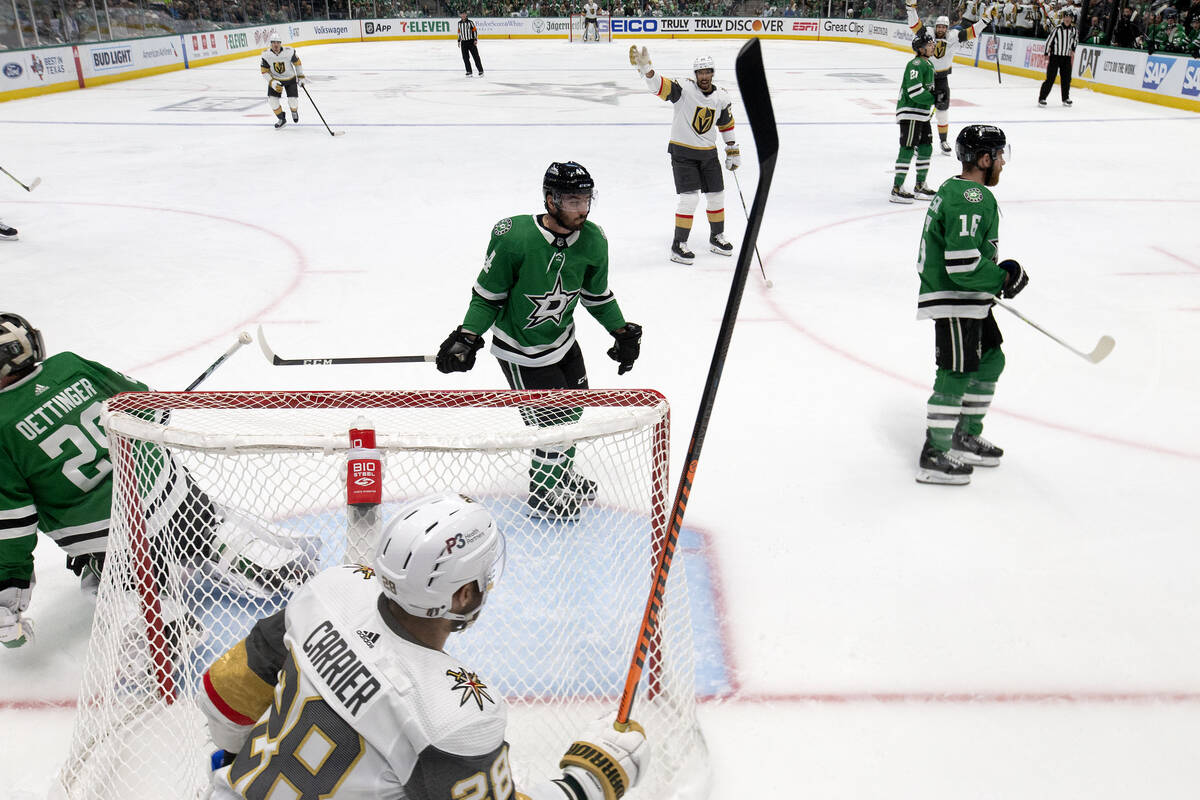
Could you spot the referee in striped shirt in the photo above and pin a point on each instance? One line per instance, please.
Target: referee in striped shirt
(1060, 46)
(467, 38)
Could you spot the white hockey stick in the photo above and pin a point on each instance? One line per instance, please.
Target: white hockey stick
(243, 339)
(1098, 353)
(33, 184)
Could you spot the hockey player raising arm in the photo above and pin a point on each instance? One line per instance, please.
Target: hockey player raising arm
(283, 71)
(538, 267)
(347, 694)
(961, 272)
(945, 39)
(702, 110)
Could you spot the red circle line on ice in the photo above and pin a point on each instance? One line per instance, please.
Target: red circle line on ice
(863, 362)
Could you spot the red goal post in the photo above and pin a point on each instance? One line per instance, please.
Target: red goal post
(553, 639)
(603, 23)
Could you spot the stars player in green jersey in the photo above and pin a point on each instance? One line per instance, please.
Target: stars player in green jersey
(56, 476)
(960, 275)
(914, 109)
(537, 270)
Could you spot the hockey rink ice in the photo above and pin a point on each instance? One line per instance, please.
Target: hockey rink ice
(1033, 635)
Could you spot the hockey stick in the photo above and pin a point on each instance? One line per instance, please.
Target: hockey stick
(322, 362)
(756, 97)
(1098, 353)
(322, 116)
(33, 184)
(996, 36)
(243, 338)
(738, 183)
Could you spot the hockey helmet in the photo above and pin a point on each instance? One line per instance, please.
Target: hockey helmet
(275, 37)
(567, 177)
(704, 62)
(434, 547)
(975, 140)
(21, 345)
(942, 21)
(921, 41)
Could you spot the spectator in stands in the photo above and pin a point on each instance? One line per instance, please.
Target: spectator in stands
(1125, 32)
(1194, 35)
(1095, 31)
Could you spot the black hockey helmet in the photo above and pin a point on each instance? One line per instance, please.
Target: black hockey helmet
(567, 177)
(921, 40)
(975, 140)
(21, 346)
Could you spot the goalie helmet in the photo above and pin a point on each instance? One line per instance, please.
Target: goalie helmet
(434, 547)
(567, 177)
(704, 62)
(21, 346)
(921, 41)
(975, 140)
(942, 21)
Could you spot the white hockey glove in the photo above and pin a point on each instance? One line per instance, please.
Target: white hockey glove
(276, 86)
(911, 3)
(301, 80)
(733, 157)
(606, 762)
(640, 60)
(15, 630)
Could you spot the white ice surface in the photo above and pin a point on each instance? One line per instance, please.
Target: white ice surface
(1034, 635)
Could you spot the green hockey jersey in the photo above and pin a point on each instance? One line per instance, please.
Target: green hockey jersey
(916, 91)
(55, 474)
(531, 282)
(959, 252)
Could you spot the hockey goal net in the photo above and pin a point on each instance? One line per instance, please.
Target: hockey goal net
(581, 32)
(269, 472)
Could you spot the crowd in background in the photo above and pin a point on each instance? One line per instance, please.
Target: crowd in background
(1157, 26)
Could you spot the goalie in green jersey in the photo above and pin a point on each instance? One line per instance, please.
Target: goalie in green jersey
(961, 273)
(56, 476)
(537, 269)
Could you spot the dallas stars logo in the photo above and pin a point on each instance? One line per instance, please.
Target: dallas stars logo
(471, 687)
(973, 195)
(551, 305)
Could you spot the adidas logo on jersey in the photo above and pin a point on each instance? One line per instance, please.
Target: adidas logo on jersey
(369, 637)
(38, 389)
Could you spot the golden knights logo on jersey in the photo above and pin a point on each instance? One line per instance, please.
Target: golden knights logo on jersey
(703, 119)
(365, 571)
(939, 48)
(279, 67)
(471, 687)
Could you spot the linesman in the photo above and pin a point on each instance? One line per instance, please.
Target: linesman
(1060, 47)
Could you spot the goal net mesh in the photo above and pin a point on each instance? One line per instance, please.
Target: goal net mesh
(581, 32)
(225, 503)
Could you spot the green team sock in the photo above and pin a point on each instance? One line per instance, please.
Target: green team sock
(549, 467)
(923, 154)
(944, 407)
(902, 158)
(981, 386)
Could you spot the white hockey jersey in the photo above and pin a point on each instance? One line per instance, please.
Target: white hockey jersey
(360, 710)
(282, 66)
(698, 116)
(591, 10)
(943, 49)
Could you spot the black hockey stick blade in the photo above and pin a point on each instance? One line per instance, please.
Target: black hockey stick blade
(752, 80)
(278, 361)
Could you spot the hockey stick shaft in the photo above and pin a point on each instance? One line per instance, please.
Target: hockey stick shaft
(1098, 353)
(996, 36)
(243, 339)
(756, 97)
(319, 114)
(28, 188)
(738, 184)
(279, 361)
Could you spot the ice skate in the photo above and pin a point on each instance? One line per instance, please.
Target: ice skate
(7, 234)
(583, 488)
(942, 468)
(946, 148)
(922, 192)
(681, 254)
(295, 116)
(1068, 102)
(720, 245)
(1041, 102)
(900, 196)
(281, 121)
(554, 504)
(975, 450)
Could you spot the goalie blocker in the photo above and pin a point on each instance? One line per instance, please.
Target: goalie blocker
(355, 632)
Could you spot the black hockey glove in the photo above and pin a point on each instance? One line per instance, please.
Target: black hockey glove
(628, 346)
(457, 353)
(1017, 279)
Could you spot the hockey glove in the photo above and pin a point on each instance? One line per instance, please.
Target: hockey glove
(15, 630)
(733, 157)
(301, 80)
(457, 353)
(221, 758)
(1017, 279)
(640, 60)
(605, 762)
(276, 86)
(628, 346)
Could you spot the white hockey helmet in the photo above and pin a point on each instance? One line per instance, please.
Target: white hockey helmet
(942, 20)
(21, 346)
(275, 37)
(704, 62)
(434, 547)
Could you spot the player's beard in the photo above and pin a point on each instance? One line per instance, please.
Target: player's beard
(571, 220)
(991, 176)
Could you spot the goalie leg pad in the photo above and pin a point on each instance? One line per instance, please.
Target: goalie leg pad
(259, 557)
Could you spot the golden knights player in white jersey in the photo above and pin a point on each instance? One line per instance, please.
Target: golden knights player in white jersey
(591, 20)
(943, 61)
(701, 110)
(283, 71)
(347, 693)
